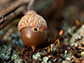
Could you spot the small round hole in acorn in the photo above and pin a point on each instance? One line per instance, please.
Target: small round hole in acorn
(35, 29)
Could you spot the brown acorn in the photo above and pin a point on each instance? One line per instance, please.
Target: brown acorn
(32, 28)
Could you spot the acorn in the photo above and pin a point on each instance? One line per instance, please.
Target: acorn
(32, 28)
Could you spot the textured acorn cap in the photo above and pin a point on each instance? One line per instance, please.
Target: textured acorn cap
(31, 19)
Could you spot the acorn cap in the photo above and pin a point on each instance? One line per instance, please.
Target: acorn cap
(31, 19)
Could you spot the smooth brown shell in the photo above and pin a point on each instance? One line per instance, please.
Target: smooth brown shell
(31, 38)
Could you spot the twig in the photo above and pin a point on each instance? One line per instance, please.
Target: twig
(30, 6)
(12, 7)
(11, 16)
